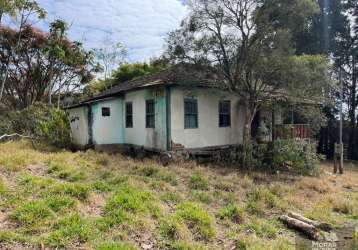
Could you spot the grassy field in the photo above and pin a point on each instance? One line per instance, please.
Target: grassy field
(90, 200)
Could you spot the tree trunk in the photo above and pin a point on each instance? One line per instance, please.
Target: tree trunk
(310, 230)
(2, 87)
(250, 111)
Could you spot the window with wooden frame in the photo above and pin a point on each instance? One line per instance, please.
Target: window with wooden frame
(106, 111)
(190, 113)
(150, 114)
(224, 114)
(129, 115)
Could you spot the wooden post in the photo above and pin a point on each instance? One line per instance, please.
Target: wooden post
(338, 158)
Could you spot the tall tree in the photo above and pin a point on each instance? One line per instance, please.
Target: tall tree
(41, 64)
(247, 47)
(21, 10)
(126, 72)
(111, 56)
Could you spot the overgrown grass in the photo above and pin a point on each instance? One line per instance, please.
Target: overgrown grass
(199, 182)
(233, 213)
(115, 246)
(197, 219)
(70, 229)
(127, 202)
(91, 200)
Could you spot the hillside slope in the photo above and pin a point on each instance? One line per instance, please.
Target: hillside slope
(90, 200)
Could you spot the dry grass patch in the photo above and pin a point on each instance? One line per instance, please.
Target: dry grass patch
(92, 200)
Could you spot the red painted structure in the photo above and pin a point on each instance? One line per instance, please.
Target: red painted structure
(287, 131)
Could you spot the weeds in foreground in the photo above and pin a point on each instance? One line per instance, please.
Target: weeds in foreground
(102, 201)
(198, 182)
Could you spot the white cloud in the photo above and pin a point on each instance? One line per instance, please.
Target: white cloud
(140, 24)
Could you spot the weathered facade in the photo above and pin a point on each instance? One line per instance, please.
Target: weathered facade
(160, 115)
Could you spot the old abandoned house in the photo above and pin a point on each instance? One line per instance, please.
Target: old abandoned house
(161, 113)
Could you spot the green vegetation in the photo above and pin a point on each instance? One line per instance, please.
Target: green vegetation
(198, 182)
(118, 203)
(233, 213)
(71, 228)
(198, 219)
(115, 246)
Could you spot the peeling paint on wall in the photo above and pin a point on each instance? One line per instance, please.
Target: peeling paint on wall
(79, 125)
(107, 129)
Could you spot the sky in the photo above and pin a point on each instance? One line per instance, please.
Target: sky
(141, 25)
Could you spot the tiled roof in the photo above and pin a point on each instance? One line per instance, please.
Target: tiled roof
(171, 76)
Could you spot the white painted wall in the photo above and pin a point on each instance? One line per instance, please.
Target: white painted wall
(108, 129)
(208, 132)
(79, 125)
(139, 134)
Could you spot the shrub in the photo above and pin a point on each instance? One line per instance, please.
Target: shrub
(56, 128)
(298, 154)
(198, 182)
(40, 121)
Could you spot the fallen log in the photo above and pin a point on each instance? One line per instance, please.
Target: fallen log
(311, 231)
(5, 136)
(321, 225)
(14, 135)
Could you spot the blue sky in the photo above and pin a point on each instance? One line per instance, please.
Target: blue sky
(141, 25)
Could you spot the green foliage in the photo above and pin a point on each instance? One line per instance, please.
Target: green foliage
(2, 187)
(172, 197)
(157, 173)
(71, 228)
(202, 196)
(355, 238)
(233, 213)
(198, 219)
(57, 63)
(76, 190)
(186, 246)
(173, 229)
(298, 154)
(57, 128)
(263, 228)
(128, 72)
(31, 213)
(64, 170)
(38, 121)
(128, 201)
(198, 181)
(59, 202)
(7, 236)
(115, 246)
